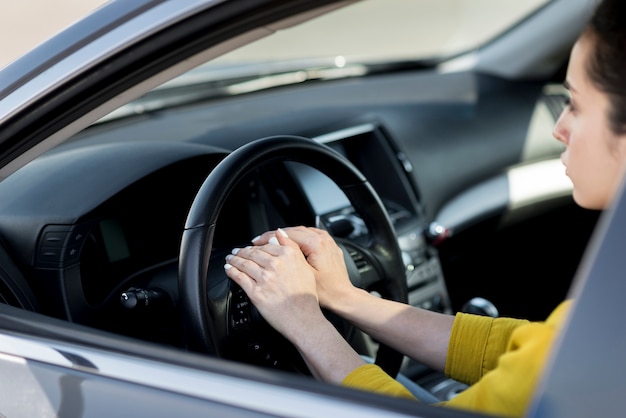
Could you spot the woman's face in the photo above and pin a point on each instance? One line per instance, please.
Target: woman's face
(594, 157)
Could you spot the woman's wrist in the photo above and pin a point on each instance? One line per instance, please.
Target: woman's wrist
(348, 302)
(326, 353)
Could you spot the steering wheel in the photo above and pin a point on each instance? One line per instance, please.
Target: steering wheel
(216, 313)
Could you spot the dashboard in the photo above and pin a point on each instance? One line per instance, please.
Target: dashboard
(95, 225)
(105, 245)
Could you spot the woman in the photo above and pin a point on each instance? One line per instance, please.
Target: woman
(502, 358)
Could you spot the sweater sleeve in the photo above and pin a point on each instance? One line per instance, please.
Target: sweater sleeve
(476, 343)
(371, 377)
(506, 389)
(507, 358)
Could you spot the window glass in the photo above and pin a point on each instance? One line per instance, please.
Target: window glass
(370, 30)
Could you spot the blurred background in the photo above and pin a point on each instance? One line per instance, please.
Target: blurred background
(25, 24)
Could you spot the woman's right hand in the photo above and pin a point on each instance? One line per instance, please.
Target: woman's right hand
(384, 320)
(326, 259)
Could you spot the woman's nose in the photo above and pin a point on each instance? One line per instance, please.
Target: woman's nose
(560, 131)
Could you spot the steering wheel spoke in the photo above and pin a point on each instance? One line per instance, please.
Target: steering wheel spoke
(362, 267)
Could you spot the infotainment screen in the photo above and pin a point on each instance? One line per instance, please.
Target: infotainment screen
(374, 154)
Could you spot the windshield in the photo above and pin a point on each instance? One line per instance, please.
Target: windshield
(370, 30)
(347, 42)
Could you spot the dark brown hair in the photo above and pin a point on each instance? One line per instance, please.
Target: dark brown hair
(607, 66)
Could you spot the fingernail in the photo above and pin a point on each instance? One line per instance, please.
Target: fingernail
(281, 232)
(274, 241)
(228, 257)
(227, 266)
(256, 238)
(235, 250)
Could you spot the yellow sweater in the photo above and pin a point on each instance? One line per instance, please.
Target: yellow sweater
(502, 359)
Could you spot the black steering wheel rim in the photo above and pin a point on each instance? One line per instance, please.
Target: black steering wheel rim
(204, 317)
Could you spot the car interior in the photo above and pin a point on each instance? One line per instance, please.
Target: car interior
(463, 162)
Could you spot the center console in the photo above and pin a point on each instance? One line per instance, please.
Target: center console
(390, 173)
(388, 170)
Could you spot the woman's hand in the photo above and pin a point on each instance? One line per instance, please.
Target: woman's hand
(279, 282)
(326, 260)
(384, 320)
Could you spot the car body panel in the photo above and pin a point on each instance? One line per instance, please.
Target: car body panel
(85, 378)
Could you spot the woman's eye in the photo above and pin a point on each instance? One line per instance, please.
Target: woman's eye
(568, 104)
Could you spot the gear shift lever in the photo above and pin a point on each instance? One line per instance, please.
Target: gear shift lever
(480, 306)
